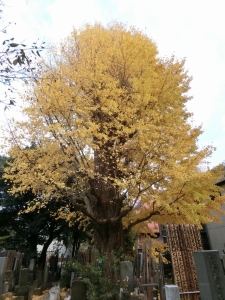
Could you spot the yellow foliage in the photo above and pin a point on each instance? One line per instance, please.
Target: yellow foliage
(110, 132)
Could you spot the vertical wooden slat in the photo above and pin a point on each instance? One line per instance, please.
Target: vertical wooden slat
(183, 240)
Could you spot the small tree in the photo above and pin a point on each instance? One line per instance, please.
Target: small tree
(114, 136)
(25, 231)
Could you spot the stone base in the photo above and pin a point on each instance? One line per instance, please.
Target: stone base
(21, 290)
(172, 292)
(79, 290)
(142, 297)
(126, 295)
(37, 291)
(6, 295)
(20, 298)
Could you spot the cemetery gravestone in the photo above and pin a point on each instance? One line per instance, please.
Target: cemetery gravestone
(72, 278)
(39, 277)
(2, 270)
(2, 265)
(46, 272)
(1, 284)
(17, 265)
(22, 289)
(79, 290)
(10, 259)
(210, 275)
(7, 296)
(9, 281)
(32, 264)
(23, 279)
(37, 283)
(54, 293)
(127, 275)
(172, 292)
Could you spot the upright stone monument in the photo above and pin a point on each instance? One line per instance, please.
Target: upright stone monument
(11, 254)
(9, 281)
(39, 277)
(2, 271)
(46, 272)
(172, 292)
(37, 283)
(54, 293)
(127, 275)
(2, 264)
(79, 290)
(17, 265)
(22, 289)
(210, 274)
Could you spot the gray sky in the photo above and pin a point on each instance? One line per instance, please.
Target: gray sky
(194, 29)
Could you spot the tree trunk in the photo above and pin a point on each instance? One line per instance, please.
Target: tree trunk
(109, 237)
(42, 258)
(109, 233)
(32, 242)
(32, 245)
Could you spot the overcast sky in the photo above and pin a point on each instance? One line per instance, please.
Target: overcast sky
(194, 29)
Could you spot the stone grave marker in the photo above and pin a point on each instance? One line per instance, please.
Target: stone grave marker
(72, 278)
(210, 274)
(10, 259)
(127, 275)
(30, 292)
(172, 292)
(3, 261)
(46, 272)
(39, 277)
(1, 284)
(22, 289)
(8, 296)
(9, 281)
(79, 290)
(2, 271)
(17, 265)
(37, 283)
(32, 264)
(54, 293)
(23, 280)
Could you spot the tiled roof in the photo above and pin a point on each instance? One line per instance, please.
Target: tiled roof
(222, 180)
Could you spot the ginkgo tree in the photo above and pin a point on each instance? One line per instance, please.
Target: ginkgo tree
(112, 135)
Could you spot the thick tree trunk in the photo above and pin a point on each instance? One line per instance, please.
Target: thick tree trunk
(32, 242)
(109, 237)
(109, 240)
(108, 233)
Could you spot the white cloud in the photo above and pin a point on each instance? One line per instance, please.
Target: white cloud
(64, 14)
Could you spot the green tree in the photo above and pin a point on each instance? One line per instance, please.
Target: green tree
(24, 231)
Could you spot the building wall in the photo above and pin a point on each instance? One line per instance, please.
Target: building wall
(216, 231)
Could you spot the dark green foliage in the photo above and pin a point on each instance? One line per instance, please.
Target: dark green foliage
(101, 276)
(130, 241)
(23, 231)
